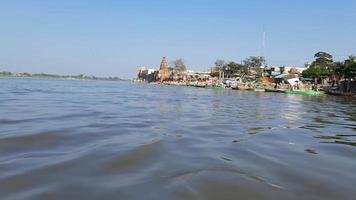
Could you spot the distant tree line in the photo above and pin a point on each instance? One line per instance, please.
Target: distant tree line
(255, 63)
(231, 68)
(324, 67)
(53, 76)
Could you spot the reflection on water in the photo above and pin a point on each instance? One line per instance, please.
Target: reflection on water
(110, 140)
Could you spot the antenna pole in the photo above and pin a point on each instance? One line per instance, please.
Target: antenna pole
(264, 43)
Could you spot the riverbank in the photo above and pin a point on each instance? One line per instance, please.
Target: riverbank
(58, 77)
(302, 89)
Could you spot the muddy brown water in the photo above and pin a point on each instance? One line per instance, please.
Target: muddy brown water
(115, 140)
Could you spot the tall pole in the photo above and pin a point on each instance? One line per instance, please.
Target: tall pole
(264, 43)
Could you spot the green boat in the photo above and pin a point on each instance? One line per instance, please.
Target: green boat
(216, 87)
(307, 93)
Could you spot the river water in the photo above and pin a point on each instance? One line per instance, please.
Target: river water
(115, 140)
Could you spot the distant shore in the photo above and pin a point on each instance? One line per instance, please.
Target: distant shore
(59, 77)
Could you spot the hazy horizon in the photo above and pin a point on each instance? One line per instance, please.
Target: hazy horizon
(113, 38)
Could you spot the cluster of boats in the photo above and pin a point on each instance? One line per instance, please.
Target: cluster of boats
(285, 91)
(307, 91)
(301, 92)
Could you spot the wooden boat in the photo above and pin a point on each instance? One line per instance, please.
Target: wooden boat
(200, 86)
(339, 93)
(275, 90)
(259, 90)
(301, 92)
(244, 88)
(216, 87)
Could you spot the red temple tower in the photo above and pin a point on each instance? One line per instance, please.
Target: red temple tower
(164, 70)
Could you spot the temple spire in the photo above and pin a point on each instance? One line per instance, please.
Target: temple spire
(164, 72)
(164, 64)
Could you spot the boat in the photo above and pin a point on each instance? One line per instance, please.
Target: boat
(302, 92)
(216, 87)
(276, 90)
(339, 93)
(199, 86)
(259, 90)
(242, 87)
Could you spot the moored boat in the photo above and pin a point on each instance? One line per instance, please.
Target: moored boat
(199, 86)
(259, 90)
(216, 87)
(339, 93)
(307, 93)
(276, 90)
(244, 88)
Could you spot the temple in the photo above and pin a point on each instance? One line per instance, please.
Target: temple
(164, 73)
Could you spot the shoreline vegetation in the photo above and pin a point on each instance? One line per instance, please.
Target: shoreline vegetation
(323, 75)
(59, 77)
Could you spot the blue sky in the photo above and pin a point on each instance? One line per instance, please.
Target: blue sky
(113, 37)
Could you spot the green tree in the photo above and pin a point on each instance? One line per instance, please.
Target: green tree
(232, 68)
(219, 67)
(338, 68)
(314, 73)
(350, 70)
(345, 70)
(254, 62)
(220, 63)
(179, 65)
(322, 67)
(323, 59)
